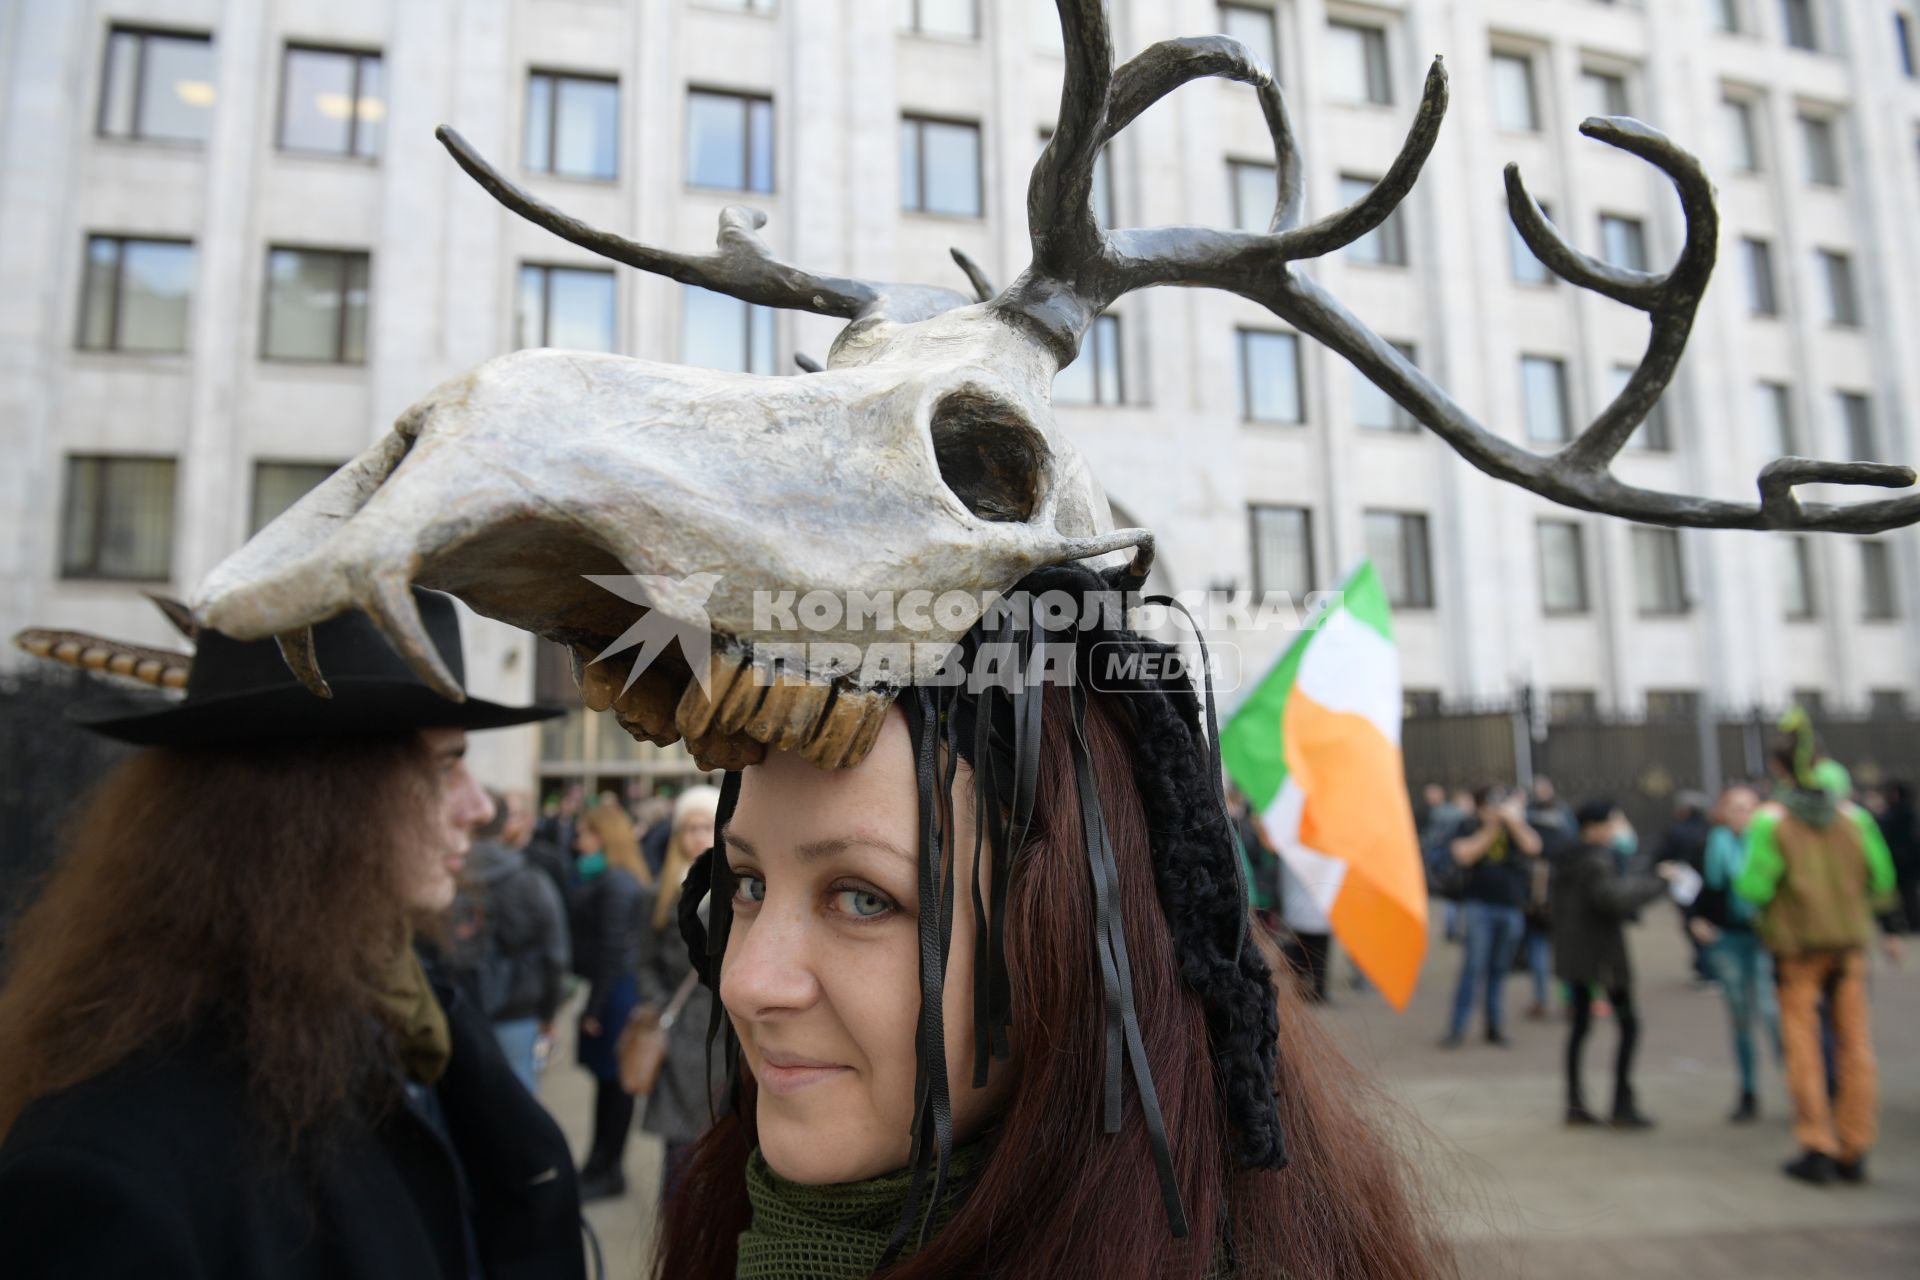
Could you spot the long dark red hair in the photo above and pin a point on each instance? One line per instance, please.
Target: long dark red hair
(1058, 1197)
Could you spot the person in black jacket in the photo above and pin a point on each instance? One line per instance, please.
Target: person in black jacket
(1592, 900)
(225, 1058)
(610, 908)
(1686, 842)
(518, 953)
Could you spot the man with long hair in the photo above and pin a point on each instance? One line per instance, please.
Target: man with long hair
(224, 1056)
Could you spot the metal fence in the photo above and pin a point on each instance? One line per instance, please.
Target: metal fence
(1643, 762)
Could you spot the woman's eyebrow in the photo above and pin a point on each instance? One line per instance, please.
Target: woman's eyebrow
(827, 848)
(840, 844)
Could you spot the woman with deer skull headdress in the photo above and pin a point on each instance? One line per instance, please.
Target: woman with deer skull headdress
(997, 1008)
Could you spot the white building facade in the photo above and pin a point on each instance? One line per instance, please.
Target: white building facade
(231, 252)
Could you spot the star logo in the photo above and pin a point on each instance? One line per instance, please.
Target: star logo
(675, 610)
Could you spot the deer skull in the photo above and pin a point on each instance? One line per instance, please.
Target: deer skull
(925, 457)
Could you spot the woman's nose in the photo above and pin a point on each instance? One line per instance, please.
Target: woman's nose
(767, 968)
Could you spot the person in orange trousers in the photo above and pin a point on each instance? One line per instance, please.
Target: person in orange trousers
(1815, 867)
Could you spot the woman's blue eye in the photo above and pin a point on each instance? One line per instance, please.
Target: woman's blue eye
(750, 888)
(864, 904)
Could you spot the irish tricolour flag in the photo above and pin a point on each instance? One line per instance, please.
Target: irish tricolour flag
(1316, 750)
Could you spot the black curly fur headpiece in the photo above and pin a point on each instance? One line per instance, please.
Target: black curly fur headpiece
(996, 728)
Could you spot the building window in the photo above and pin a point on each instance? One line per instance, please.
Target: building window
(729, 141)
(1374, 408)
(1856, 425)
(332, 101)
(1743, 137)
(1773, 402)
(1843, 300)
(1887, 704)
(1604, 93)
(278, 485)
(1724, 15)
(1876, 580)
(1102, 195)
(940, 166)
(957, 19)
(1797, 23)
(1514, 104)
(157, 86)
(1543, 393)
(1762, 298)
(1821, 142)
(135, 294)
(721, 332)
(570, 307)
(118, 519)
(1673, 704)
(1527, 269)
(1256, 190)
(1356, 64)
(573, 125)
(316, 306)
(1563, 567)
(1270, 377)
(1659, 575)
(1096, 375)
(1386, 244)
(1397, 545)
(1564, 705)
(1651, 435)
(1903, 45)
(1253, 26)
(1796, 577)
(1623, 242)
(1282, 549)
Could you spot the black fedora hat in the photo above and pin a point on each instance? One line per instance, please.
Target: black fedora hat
(242, 691)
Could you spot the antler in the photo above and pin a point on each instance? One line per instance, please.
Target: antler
(1078, 270)
(742, 266)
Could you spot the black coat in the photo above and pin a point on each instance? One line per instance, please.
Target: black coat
(156, 1169)
(606, 918)
(1592, 902)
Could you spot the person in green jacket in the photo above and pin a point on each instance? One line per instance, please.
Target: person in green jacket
(1815, 869)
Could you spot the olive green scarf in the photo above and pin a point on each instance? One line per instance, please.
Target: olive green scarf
(419, 1023)
(838, 1231)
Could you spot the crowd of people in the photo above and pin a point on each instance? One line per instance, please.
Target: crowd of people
(278, 1008)
(582, 900)
(1780, 886)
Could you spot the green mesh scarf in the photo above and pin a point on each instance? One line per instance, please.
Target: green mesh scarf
(838, 1231)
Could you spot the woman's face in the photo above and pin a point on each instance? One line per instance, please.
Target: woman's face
(821, 976)
(584, 840)
(696, 834)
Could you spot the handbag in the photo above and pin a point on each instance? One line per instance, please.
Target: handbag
(642, 1047)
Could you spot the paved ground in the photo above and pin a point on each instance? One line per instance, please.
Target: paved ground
(1695, 1199)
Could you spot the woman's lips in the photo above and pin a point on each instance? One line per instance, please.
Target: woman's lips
(790, 1073)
